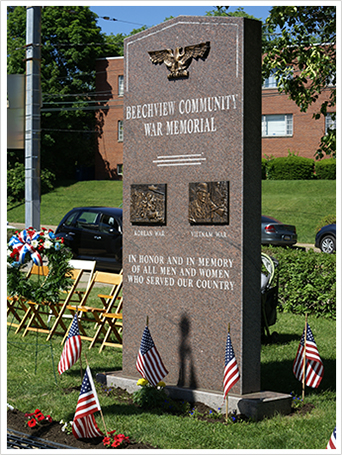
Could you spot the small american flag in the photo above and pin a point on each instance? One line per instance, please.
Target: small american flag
(332, 441)
(72, 348)
(84, 424)
(149, 363)
(314, 366)
(231, 371)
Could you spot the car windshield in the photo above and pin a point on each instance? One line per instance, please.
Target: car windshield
(87, 219)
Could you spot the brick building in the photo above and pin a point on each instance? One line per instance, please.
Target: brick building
(109, 119)
(284, 128)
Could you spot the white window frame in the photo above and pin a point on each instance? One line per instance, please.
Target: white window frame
(120, 131)
(272, 81)
(120, 85)
(286, 131)
(329, 123)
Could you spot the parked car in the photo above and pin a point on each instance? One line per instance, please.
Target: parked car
(326, 238)
(94, 234)
(273, 232)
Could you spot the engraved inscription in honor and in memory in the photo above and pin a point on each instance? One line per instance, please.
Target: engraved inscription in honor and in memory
(188, 188)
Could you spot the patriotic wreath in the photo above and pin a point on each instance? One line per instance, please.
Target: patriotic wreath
(30, 247)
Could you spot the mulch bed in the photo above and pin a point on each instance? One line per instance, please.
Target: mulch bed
(16, 420)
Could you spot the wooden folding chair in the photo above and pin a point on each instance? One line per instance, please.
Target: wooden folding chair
(114, 321)
(80, 268)
(30, 312)
(94, 314)
(87, 267)
(15, 304)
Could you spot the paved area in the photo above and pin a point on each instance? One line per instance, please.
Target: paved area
(21, 226)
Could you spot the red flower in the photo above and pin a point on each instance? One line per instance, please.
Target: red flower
(106, 441)
(111, 432)
(62, 240)
(40, 416)
(37, 411)
(49, 418)
(32, 423)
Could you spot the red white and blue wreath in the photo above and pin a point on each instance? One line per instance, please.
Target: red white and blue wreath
(30, 247)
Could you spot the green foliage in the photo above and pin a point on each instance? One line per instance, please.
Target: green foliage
(149, 397)
(240, 12)
(307, 41)
(16, 182)
(307, 281)
(329, 219)
(71, 42)
(263, 168)
(326, 169)
(290, 168)
(116, 42)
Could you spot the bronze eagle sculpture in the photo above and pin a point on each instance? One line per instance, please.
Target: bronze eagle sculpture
(177, 62)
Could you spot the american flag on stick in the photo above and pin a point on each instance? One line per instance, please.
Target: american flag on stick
(332, 440)
(149, 363)
(314, 365)
(84, 424)
(231, 371)
(72, 348)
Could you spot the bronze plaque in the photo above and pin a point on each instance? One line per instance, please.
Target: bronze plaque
(209, 203)
(148, 204)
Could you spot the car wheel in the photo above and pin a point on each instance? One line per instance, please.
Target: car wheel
(328, 244)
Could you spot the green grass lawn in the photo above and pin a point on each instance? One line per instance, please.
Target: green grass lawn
(300, 202)
(33, 386)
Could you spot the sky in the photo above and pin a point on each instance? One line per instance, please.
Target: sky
(133, 17)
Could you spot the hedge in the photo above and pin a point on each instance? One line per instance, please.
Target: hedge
(264, 168)
(291, 168)
(307, 281)
(16, 183)
(326, 169)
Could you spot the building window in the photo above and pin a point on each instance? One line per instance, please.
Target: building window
(331, 80)
(330, 123)
(119, 169)
(121, 86)
(273, 79)
(120, 131)
(277, 125)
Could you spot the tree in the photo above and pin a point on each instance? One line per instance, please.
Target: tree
(307, 41)
(240, 12)
(117, 41)
(71, 42)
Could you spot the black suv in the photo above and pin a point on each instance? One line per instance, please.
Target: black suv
(94, 234)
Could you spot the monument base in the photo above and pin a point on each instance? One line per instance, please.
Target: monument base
(256, 405)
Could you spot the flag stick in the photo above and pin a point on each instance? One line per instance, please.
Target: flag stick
(227, 392)
(146, 321)
(304, 355)
(81, 348)
(100, 406)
